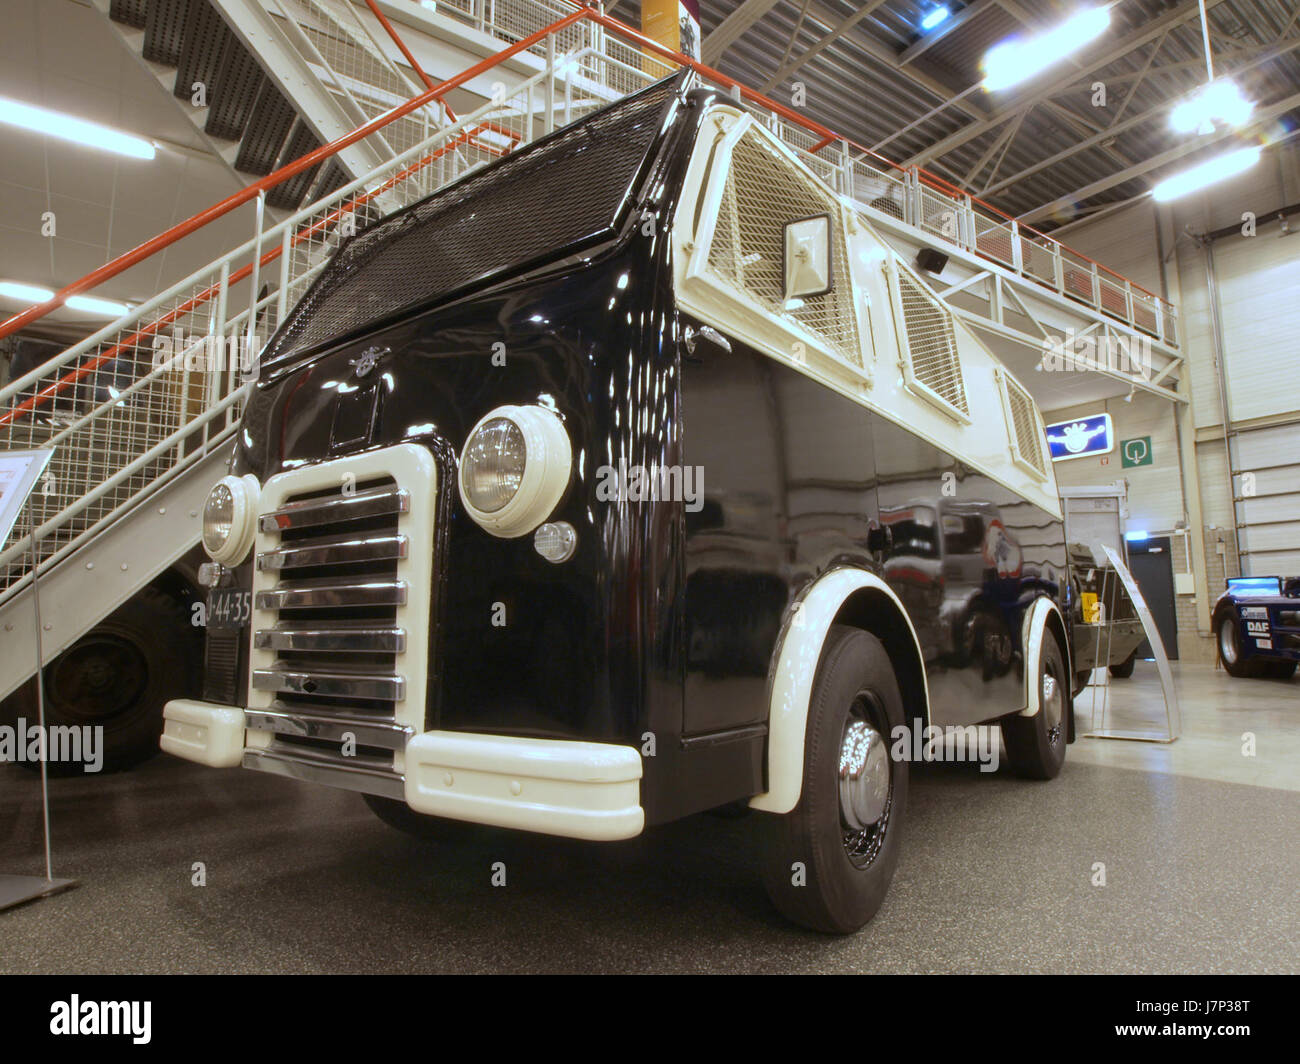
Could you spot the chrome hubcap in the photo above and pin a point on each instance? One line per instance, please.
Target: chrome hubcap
(864, 776)
(1053, 707)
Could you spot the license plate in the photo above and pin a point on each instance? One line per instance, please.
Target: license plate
(229, 607)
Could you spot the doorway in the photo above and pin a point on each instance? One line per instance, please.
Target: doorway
(1152, 567)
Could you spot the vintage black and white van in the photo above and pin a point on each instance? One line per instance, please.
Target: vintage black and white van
(629, 477)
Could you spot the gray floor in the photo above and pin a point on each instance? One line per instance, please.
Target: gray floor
(995, 876)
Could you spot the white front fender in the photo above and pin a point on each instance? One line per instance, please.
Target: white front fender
(1035, 629)
(796, 669)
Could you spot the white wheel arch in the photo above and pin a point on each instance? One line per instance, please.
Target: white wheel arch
(1035, 630)
(796, 669)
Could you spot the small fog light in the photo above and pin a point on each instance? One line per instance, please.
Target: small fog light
(556, 541)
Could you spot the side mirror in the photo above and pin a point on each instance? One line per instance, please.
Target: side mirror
(807, 258)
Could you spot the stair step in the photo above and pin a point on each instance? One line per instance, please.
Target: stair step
(268, 125)
(205, 37)
(233, 91)
(164, 31)
(288, 194)
(129, 12)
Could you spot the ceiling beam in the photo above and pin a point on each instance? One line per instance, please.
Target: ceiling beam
(1128, 123)
(1147, 32)
(934, 36)
(844, 25)
(1000, 142)
(731, 28)
(1164, 158)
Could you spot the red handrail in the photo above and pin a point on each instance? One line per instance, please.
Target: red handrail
(91, 364)
(248, 192)
(197, 221)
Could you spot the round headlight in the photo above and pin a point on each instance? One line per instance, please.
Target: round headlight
(514, 468)
(494, 464)
(228, 519)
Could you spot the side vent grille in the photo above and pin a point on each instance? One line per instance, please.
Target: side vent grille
(930, 350)
(747, 247)
(1026, 439)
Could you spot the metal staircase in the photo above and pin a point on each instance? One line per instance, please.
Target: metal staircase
(142, 414)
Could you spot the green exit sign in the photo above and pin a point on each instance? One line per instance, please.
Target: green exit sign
(1135, 452)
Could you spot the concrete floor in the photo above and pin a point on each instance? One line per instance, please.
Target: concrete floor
(1200, 850)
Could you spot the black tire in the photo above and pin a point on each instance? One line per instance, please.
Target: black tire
(1124, 669)
(1281, 670)
(1227, 641)
(401, 816)
(845, 873)
(1036, 745)
(119, 675)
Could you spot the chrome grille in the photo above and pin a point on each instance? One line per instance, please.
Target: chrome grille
(330, 581)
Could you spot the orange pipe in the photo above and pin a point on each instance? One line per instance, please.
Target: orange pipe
(182, 229)
(73, 376)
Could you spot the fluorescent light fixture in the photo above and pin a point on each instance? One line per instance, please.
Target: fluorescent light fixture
(31, 293)
(104, 308)
(1016, 61)
(938, 15)
(76, 130)
(1219, 101)
(1137, 536)
(24, 293)
(1207, 173)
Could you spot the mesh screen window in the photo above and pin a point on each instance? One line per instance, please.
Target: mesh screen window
(567, 190)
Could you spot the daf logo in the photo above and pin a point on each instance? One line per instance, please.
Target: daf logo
(365, 364)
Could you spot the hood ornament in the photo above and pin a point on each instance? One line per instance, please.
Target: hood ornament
(365, 363)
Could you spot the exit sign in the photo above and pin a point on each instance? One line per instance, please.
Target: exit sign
(1135, 452)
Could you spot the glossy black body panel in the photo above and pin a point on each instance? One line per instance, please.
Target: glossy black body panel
(659, 632)
(795, 478)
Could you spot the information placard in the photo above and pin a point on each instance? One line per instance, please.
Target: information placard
(19, 472)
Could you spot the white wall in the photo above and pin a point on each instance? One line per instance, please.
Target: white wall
(1259, 299)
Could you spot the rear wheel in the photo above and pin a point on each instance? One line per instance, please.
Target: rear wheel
(1124, 669)
(1036, 745)
(118, 677)
(829, 862)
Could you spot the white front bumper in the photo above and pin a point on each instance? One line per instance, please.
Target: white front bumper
(563, 787)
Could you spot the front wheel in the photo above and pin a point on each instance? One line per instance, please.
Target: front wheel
(829, 861)
(1036, 745)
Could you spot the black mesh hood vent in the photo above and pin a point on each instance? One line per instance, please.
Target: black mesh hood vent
(566, 190)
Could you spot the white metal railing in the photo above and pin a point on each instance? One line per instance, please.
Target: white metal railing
(155, 391)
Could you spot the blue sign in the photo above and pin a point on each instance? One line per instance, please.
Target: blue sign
(1081, 437)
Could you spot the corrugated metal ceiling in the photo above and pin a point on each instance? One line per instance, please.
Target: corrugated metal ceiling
(857, 86)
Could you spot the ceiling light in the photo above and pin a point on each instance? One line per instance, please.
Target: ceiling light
(1206, 173)
(939, 14)
(1016, 61)
(105, 308)
(76, 130)
(24, 293)
(31, 293)
(1219, 101)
